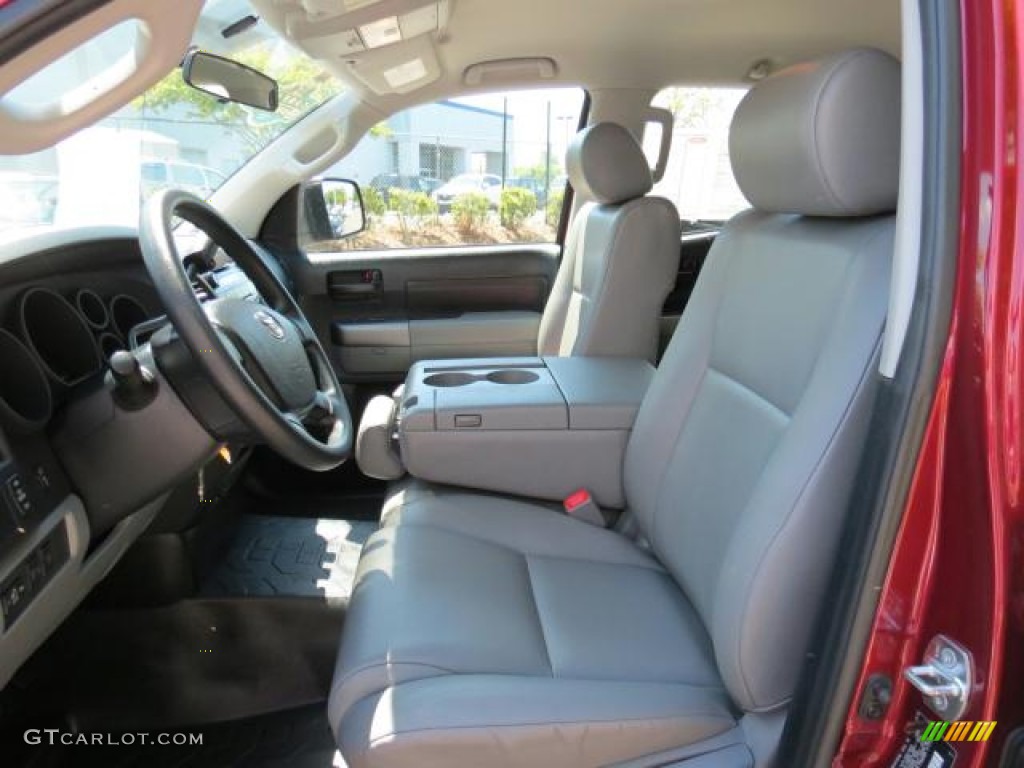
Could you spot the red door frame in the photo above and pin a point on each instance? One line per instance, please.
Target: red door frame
(958, 562)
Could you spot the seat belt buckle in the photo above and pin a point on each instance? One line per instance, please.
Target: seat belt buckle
(581, 506)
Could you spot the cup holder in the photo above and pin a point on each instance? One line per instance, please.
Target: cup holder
(450, 379)
(512, 376)
(462, 378)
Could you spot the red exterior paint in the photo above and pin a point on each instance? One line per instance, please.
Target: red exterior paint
(958, 565)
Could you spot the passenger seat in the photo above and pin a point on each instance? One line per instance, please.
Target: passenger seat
(621, 255)
(619, 264)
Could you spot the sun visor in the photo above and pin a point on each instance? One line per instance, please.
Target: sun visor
(34, 116)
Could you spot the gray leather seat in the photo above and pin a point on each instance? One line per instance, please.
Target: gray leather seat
(621, 254)
(491, 631)
(619, 264)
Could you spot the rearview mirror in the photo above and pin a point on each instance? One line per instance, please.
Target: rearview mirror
(229, 80)
(333, 209)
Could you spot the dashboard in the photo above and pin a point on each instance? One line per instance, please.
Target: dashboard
(71, 501)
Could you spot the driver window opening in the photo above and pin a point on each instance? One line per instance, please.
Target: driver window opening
(475, 170)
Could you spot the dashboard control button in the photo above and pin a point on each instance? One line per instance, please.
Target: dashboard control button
(46, 555)
(32, 574)
(19, 497)
(14, 594)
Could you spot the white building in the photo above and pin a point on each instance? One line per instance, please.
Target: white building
(436, 141)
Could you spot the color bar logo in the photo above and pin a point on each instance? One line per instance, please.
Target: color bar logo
(960, 730)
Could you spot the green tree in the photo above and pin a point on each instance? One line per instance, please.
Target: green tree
(302, 85)
(692, 108)
(536, 171)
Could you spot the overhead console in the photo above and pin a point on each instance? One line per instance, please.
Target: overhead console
(385, 45)
(538, 427)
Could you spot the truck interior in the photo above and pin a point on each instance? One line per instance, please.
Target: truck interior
(618, 489)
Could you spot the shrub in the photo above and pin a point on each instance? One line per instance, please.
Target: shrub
(424, 205)
(411, 207)
(336, 197)
(517, 205)
(373, 203)
(553, 214)
(470, 212)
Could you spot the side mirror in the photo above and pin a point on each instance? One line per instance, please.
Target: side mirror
(333, 209)
(229, 80)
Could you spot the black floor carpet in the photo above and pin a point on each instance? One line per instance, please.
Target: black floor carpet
(247, 663)
(197, 661)
(290, 556)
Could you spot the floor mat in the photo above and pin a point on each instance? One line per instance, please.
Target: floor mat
(197, 661)
(275, 556)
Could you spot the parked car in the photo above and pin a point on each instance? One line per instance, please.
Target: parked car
(487, 184)
(385, 182)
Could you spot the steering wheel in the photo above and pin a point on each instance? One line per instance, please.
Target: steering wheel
(263, 359)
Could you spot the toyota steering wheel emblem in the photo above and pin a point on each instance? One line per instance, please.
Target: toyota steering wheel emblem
(273, 327)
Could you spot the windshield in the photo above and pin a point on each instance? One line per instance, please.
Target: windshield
(170, 136)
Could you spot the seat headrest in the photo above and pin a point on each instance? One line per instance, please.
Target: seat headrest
(822, 138)
(606, 164)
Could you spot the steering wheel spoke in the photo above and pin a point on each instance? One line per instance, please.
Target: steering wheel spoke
(320, 416)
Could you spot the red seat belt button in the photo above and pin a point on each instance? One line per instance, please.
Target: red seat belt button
(577, 499)
(580, 506)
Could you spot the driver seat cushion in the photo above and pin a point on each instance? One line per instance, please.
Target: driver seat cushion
(485, 630)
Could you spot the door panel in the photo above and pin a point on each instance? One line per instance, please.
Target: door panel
(377, 312)
(475, 334)
(427, 297)
(390, 346)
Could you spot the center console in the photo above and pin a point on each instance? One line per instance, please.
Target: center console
(537, 427)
